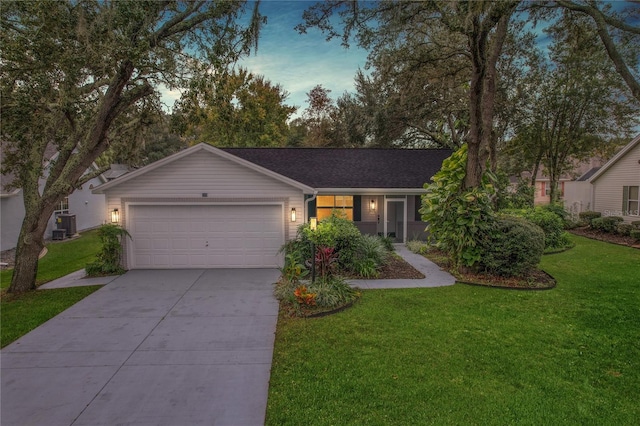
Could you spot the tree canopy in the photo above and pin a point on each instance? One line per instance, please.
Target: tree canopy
(234, 108)
(81, 76)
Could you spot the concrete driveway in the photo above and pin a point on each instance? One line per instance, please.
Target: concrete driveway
(174, 347)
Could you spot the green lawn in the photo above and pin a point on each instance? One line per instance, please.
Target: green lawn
(473, 355)
(21, 314)
(62, 258)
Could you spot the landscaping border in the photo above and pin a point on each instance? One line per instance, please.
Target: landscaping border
(555, 284)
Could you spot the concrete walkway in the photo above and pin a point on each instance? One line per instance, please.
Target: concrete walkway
(169, 347)
(434, 276)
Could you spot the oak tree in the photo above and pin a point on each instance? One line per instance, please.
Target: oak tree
(80, 76)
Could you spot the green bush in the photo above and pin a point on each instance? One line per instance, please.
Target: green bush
(607, 224)
(635, 224)
(588, 216)
(508, 197)
(388, 243)
(108, 260)
(327, 293)
(335, 232)
(635, 233)
(551, 224)
(624, 229)
(457, 217)
(549, 220)
(372, 247)
(558, 210)
(418, 247)
(513, 247)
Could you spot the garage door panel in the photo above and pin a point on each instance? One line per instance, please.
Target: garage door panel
(206, 236)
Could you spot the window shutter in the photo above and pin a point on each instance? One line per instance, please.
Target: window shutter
(625, 200)
(312, 208)
(418, 204)
(357, 208)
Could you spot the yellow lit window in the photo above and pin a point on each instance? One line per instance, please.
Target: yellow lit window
(325, 204)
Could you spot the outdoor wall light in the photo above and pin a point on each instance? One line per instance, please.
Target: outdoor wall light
(372, 205)
(293, 214)
(313, 223)
(115, 216)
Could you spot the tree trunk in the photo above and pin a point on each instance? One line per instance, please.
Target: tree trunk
(30, 244)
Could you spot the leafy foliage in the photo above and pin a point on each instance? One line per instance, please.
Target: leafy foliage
(108, 260)
(457, 218)
(79, 78)
(588, 216)
(513, 247)
(607, 224)
(234, 109)
(519, 198)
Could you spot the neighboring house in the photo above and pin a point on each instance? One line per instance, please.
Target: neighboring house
(616, 185)
(577, 194)
(87, 207)
(543, 183)
(210, 207)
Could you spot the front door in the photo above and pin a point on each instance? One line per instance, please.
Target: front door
(395, 225)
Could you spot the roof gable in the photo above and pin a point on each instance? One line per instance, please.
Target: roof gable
(196, 150)
(624, 151)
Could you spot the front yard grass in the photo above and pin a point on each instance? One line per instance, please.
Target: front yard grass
(472, 355)
(21, 314)
(62, 258)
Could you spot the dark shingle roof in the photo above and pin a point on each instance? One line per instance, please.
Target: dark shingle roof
(585, 177)
(349, 168)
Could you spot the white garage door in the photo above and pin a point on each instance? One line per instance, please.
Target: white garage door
(201, 236)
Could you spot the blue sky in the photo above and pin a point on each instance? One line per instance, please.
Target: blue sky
(298, 62)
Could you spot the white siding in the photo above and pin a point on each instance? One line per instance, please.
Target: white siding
(11, 217)
(608, 187)
(203, 172)
(186, 179)
(577, 197)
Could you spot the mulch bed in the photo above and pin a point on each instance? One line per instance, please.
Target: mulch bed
(536, 280)
(398, 268)
(606, 237)
(395, 268)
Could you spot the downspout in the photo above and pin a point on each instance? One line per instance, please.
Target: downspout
(306, 204)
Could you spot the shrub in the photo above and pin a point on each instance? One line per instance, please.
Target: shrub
(418, 247)
(335, 232)
(635, 224)
(513, 247)
(108, 260)
(294, 268)
(388, 243)
(624, 229)
(372, 247)
(558, 210)
(457, 217)
(547, 219)
(326, 260)
(588, 216)
(332, 292)
(551, 224)
(635, 233)
(325, 293)
(508, 197)
(607, 224)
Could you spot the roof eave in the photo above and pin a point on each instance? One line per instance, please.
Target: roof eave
(372, 191)
(615, 159)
